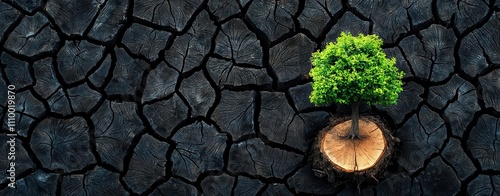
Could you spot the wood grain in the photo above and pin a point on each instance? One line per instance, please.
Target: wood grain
(353, 155)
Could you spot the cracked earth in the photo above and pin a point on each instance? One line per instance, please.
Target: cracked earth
(187, 97)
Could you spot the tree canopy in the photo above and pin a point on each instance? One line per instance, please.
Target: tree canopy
(354, 69)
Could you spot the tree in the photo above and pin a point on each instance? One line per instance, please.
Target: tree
(352, 70)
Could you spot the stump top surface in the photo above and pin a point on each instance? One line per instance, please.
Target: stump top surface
(351, 155)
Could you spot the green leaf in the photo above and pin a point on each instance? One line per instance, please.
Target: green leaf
(352, 68)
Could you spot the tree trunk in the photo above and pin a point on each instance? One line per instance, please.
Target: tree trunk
(354, 132)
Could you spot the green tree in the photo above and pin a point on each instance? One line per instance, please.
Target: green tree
(352, 70)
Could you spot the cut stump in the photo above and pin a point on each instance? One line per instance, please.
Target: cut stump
(364, 156)
(358, 154)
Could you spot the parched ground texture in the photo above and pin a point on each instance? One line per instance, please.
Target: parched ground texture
(186, 97)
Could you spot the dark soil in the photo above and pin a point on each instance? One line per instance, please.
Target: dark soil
(211, 97)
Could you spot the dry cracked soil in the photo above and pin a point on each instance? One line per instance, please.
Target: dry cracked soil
(188, 97)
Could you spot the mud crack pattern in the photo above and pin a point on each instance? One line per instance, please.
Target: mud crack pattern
(187, 97)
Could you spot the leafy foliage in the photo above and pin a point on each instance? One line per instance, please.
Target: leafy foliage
(354, 69)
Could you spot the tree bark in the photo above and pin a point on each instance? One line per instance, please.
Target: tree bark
(354, 133)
